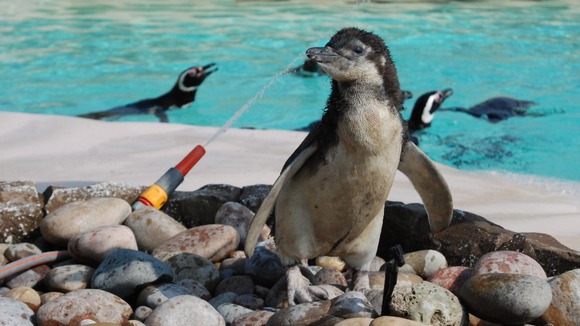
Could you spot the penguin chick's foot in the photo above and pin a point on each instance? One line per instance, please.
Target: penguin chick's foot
(360, 281)
(300, 290)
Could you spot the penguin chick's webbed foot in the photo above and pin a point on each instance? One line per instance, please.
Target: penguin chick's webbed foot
(300, 288)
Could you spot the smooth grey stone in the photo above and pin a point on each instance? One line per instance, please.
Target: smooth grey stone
(15, 313)
(154, 295)
(230, 311)
(152, 227)
(352, 304)
(94, 245)
(69, 278)
(189, 266)
(185, 310)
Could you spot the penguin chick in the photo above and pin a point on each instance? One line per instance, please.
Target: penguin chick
(424, 111)
(330, 197)
(181, 95)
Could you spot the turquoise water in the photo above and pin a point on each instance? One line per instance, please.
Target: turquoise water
(71, 57)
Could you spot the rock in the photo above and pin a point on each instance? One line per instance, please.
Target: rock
(358, 321)
(427, 303)
(142, 312)
(333, 262)
(250, 301)
(254, 318)
(69, 278)
(71, 219)
(94, 245)
(424, 262)
(29, 278)
(394, 321)
(511, 299)
(301, 314)
(56, 196)
(124, 270)
(352, 305)
(75, 306)
(252, 196)
(230, 311)
(49, 296)
(214, 242)
(511, 262)
(220, 299)
(195, 288)
(20, 210)
(25, 295)
(330, 276)
(237, 216)
(564, 310)
(21, 250)
(185, 310)
(196, 208)
(451, 278)
(193, 267)
(154, 295)
(265, 266)
(152, 227)
(237, 284)
(15, 313)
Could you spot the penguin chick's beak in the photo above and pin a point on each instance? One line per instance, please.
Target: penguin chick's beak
(322, 55)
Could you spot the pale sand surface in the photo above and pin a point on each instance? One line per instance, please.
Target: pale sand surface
(68, 151)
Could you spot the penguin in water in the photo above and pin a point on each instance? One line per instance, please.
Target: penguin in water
(424, 111)
(330, 197)
(181, 95)
(498, 109)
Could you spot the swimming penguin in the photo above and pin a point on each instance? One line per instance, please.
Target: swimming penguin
(330, 197)
(181, 95)
(498, 109)
(424, 111)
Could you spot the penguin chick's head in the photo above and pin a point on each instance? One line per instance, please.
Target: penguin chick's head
(425, 107)
(191, 78)
(352, 55)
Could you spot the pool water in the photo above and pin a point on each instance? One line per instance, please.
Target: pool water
(69, 57)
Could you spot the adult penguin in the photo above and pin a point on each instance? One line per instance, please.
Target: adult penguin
(497, 109)
(181, 95)
(330, 197)
(424, 111)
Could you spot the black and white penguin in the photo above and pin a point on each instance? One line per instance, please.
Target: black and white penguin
(424, 111)
(330, 197)
(181, 95)
(498, 109)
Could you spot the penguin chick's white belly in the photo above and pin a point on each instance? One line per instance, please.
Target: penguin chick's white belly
(338, 210)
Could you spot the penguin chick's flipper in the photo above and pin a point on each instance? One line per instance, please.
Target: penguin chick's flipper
(270, 201)
(430, 185)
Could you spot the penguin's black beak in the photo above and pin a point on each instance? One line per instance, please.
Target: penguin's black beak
(406, 94)
(446, 93)
(209, 69)
(322, 55)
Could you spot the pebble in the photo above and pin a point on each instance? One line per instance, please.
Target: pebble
(29, 278)
(193, 267)
(250, 301)
(451, 278)
(352, 305)
(265, 266)
(511, 262)
(101, 306)
(394, 321)
(427, 303)
(15, 313)
(220, 299)
(195, 288)
(212, 241)
(25, 295)
(48, 296)
(231, 310)
(142, 312)
(94, 245)
(239, 285)
(236, 215)
(254, 318)
(511, 299)
(301, 314)
(21, 250)
(124, 270)
(565, 306)
(423, 262)
(152, 227)
(330, 276)
(73, 218)
(357, 321)
(69, 278)
(185, 310)
(154, 295)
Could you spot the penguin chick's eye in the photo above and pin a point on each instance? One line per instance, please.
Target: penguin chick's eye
(358, 49)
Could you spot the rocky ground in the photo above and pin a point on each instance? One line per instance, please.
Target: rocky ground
(79, 256)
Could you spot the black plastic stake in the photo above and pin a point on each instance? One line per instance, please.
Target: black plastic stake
(392, 269)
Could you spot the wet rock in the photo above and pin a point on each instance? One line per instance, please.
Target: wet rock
(152, 227)
(511, 262)
(21, 250)
(71, 219)
(74, 306)
(451, 278)
(29, 278)
(123, 271)
(183, 310)
(20, 210)
(237, 284)
(352, 305)
(301, 314)
(214, 242)
(69, 278)
(94, 245)
(510, 299)
(154, 295)
(25, 295)
(254, 318)
(265, 266)
(230, 311)
(193, 267)
(15, 313)
(427, 303)
(424, 262)
(564, 310)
